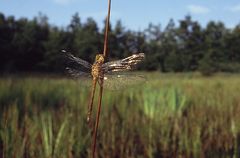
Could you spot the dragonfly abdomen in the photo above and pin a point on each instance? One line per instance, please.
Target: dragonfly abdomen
(97, 71)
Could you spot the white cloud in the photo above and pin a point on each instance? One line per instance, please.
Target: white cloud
(63, 2)
(197, 9)
(235, 8)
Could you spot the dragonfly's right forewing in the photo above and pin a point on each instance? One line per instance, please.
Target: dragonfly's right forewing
(83, 78)
(125, 64)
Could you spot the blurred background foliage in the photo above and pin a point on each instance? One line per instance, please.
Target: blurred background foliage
(35, 45)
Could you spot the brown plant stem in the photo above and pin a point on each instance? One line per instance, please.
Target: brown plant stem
(97, 118)
(106, 30)
(90, 104)
(101, 83)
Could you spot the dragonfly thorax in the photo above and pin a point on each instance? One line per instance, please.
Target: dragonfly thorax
(97, 71)
(99, 58)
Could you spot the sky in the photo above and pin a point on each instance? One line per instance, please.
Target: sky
(134, 14)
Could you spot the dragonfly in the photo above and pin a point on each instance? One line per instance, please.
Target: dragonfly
(109, 75)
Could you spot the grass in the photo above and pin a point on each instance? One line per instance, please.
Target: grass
(172, 115)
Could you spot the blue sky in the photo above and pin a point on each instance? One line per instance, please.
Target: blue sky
(134, 14)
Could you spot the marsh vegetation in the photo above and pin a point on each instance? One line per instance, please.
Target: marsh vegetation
(172, 115)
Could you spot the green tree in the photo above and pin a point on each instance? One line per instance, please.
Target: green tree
(215, 43)
(87, 41)
(28, 44)
(155, 55)
(117, 39)
(75, 24)
(190, 43)
(173, 60)
(8, 27)
(5, 40)
(53, 57)
(232, 49)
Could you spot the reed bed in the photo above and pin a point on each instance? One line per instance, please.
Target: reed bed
(171, 115)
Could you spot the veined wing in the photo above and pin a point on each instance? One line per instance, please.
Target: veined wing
(77, 63)
(116, 81)
(78, 69)
(83, 78)
(125, 64)
(77, 74)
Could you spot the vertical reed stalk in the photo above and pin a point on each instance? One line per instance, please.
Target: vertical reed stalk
(101, 83)
(97, 118)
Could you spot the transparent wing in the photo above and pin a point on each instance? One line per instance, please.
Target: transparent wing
(77, 63)
(78, 69)
(125, 64)
(83, 78)
(122, 81)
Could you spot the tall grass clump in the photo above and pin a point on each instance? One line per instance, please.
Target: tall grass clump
(172, 115)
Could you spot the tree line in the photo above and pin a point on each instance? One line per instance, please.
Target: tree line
(35, 45)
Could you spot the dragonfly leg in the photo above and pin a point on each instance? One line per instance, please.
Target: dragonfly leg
(90, 105)
(100, 82)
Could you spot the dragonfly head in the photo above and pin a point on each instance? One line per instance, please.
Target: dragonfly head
(99, 58)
